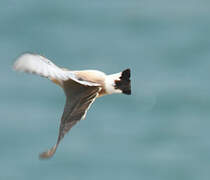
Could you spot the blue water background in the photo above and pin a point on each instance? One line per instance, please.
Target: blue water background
(161, 132)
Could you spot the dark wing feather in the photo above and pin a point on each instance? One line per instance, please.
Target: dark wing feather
(78, 100)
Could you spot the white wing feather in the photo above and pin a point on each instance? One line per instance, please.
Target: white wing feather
(37, 64)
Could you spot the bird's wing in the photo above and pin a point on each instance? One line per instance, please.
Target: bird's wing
(78, 100)
(37, 64)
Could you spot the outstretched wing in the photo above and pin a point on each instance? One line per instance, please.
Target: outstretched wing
(37, 64)
(78, 100)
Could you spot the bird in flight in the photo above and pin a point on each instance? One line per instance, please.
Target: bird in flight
(81, 88)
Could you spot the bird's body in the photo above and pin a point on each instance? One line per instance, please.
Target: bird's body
(93, 76)
(81, 88)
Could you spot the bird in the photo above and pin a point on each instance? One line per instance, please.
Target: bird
(81, 88)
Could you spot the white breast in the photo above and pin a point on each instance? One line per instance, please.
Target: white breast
(110, 83)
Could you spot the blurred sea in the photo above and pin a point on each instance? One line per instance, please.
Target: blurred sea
(161, 132)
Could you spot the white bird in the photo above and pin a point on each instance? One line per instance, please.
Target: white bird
(81, 88)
